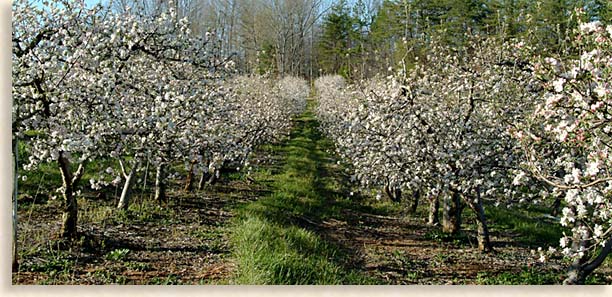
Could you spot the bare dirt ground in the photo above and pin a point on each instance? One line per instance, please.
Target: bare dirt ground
(397, 251)
(183, 242)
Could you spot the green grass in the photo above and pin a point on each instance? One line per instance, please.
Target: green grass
(527, 276)
(107, 276)
(532, 229)
(137, 266)
(53, 265)
(272, 238)
(37, 186)
(270, 253)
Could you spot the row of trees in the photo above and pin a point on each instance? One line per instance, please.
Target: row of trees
(94, 84)
(436, 130)
(492, 122)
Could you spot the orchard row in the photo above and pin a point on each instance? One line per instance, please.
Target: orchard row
(92, 84)
(493, 122)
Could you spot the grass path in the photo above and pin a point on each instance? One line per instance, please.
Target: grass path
(274, 238)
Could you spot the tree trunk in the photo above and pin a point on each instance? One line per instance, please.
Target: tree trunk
(160, 185)
(214, 177)
(484, 242)
(451, 213)
(576, 274)
(397, 193)
(15, 266)
(580, 269)
(394, 193)
(189, 181)
(434, 205)
(203, 178)
(69, 207)
(556, 207)
(124, 201)
(201, 181)
(416, 195)
(146, 175)
(388, 192)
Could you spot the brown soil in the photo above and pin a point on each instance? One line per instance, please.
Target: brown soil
(188, 245)
(397, 251)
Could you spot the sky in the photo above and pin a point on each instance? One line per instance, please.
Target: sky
(93, 2)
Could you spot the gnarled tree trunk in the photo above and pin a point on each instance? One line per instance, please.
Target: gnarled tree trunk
(434, 205)
(484, 242)
(69, 205)
(203, 178)
(213, 177)
(581, 267)
(451, 213)
(189, 181)
(576, 274)
(394, 193)
(416, 195)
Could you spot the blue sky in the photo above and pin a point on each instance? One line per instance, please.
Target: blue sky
(93, 2)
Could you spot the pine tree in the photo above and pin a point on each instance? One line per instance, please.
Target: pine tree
(337, 40)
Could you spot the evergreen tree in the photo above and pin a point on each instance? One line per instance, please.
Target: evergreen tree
(600, 10)
(507, 18)
(549, 23)
(337, 40)
(385, 32)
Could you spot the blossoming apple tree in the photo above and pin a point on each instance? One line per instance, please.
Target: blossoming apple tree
(437, 128)
(54, 99)
(566, 141)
